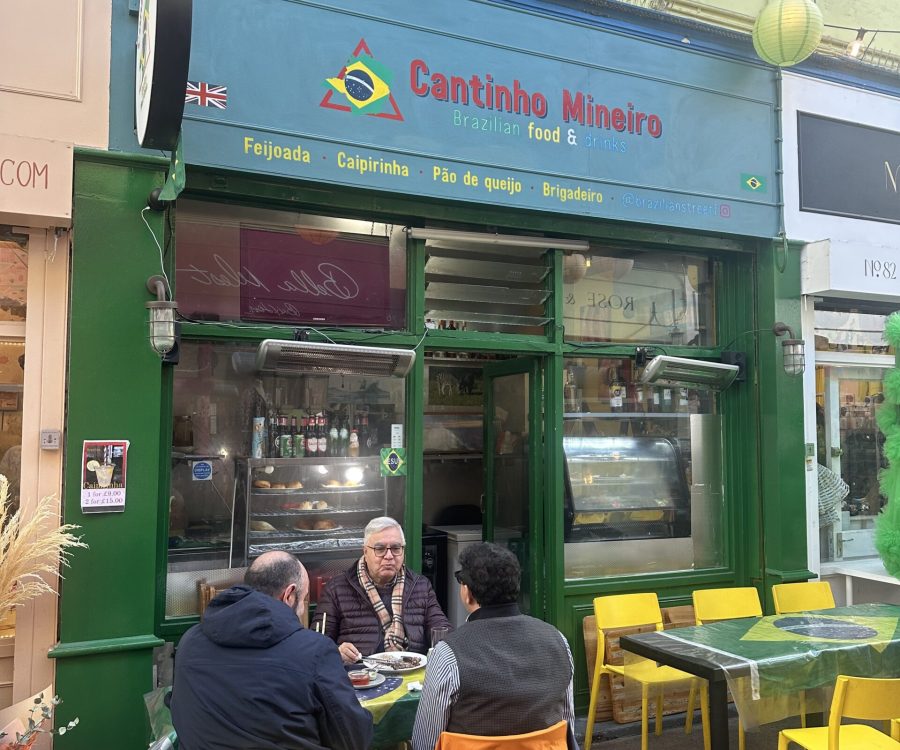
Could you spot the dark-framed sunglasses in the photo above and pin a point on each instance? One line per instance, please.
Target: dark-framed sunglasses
(458, 575)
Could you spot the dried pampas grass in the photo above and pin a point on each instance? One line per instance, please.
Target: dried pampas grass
(30, 547)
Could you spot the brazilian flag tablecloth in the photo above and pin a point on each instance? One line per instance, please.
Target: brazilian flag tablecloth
(393, 708)
(769, 662)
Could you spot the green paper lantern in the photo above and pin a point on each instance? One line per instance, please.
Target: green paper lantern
(786, 32)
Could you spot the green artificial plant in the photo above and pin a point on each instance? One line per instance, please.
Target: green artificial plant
(887, 525)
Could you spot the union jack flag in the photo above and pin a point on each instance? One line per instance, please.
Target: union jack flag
(206, 95)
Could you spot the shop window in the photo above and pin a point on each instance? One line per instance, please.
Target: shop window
(644, 297)
(245, 478)
(471, 286)
(276, 267)
(644, 490)
(851, 331)
(13, 308)
(850, 450)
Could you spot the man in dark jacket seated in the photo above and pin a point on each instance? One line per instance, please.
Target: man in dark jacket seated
(251, 676)
(379, 604)
(502, 672)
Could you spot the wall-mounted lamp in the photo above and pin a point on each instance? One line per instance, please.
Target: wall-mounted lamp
(162, 316)
(793, 350)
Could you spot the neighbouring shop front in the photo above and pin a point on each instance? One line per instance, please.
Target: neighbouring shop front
(506, 238)
(850, 286)
(35, 214)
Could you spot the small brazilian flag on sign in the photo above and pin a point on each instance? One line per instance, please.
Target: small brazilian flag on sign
(393, 462)
(753, 183)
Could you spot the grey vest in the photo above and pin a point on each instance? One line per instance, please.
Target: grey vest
(513, 676)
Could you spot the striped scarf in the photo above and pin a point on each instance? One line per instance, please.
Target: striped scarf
(394, 636)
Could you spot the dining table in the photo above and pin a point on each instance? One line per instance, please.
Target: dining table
(393, 706)
(769, 663)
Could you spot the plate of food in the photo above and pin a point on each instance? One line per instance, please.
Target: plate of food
(265, 486)
(306, 505)
(308, 525)
(395, 662)
(363, 679)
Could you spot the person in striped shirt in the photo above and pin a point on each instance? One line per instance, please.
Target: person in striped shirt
(502, 672)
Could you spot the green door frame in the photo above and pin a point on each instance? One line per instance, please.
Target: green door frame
(531, 367)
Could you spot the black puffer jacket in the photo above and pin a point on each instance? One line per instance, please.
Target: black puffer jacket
(251, 676)
(351, 616)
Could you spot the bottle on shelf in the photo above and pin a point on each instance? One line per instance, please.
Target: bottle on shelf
(343, 439)
(312, 439)
(296, 440)
(334, 438)
(322, 435)
(570, 390)
(258, 433)
(285, 444)
(667, 399)
(653, 400)
(353, 446)
(639, 397)
(616, 391)
(272, 437)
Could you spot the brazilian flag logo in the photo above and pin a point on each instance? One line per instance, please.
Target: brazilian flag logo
(363, 87)
(366, 84)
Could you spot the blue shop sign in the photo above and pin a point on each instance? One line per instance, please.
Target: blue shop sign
(479, 102)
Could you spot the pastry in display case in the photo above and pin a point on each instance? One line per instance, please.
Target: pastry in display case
(625, 488)
(305, 505)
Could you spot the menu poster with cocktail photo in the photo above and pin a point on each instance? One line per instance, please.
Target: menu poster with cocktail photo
(103, 476)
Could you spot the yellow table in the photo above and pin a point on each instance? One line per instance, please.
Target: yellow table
(393, 708)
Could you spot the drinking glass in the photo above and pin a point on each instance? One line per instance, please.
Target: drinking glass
(104, 475)
(437, 635)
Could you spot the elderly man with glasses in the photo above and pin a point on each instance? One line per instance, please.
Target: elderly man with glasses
(379, 604)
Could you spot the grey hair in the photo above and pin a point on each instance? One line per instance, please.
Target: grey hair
(377, 525)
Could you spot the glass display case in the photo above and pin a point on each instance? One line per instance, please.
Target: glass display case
(644, 473)
(625, 488)
(305, 426)
(305, 505)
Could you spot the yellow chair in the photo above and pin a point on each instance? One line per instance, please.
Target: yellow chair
(551, 738)
(632, 611)
(714, 605)
(858, 698)
(802, 597)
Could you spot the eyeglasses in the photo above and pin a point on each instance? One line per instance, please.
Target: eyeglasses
(459, 577)
(381, 550)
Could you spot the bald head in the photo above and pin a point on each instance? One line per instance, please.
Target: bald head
(282, 576)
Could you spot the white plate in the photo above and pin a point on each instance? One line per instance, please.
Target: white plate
(372, 682)
(317, 531)
(392, 656)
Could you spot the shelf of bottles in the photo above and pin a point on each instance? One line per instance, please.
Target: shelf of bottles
(619, 394)
(313, 436)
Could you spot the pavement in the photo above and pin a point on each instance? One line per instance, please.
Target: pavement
(611, 736)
